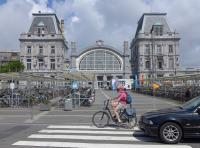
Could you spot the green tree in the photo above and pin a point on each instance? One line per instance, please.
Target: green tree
(13, 66)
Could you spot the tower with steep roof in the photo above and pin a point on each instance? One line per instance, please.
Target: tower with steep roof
(43, 49)
(155, 48)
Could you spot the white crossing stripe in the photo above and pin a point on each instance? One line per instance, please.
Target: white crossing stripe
(85, 127)
(91, 137)
(86, 132)
(92, 145)
(106, 138)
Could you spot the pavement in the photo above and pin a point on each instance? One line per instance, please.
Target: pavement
(22, 127)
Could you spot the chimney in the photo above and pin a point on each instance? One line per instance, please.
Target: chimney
(125, 45)
(73, 47)
(62, 26)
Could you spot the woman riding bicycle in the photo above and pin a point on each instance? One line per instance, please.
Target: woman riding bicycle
(119, 102)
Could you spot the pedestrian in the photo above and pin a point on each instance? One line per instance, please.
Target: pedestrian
(188, 94)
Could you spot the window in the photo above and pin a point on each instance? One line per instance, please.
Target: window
(43, 31)
(52, 64)
(41, 49)
(100, 60)
(41, 64)
(38, 31)
(147, 64)
(158, 30)
(28, 65)
(171, 49)
(147, 49)
(171, 63)
(119, 77)
(160, 75)
(52, 49)
(99, 78)
(29, 49)
(160, 65)
(159, 49)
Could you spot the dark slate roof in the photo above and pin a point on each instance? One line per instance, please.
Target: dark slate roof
(149, 19)
(48, 20)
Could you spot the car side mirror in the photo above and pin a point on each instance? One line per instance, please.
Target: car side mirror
(198, 110)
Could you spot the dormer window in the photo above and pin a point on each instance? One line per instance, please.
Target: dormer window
(40, 29)
(157, 29)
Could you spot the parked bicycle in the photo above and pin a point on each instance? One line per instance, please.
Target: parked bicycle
(103, 117)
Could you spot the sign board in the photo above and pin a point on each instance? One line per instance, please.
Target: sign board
(74, 85)
(12, 85)
(155, 85)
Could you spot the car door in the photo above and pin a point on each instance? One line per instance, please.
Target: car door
(191, 123)
(196, 121)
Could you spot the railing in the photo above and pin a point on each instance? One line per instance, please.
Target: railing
(173, 87)
(44, 70)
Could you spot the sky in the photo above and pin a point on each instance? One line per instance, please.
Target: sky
(112, 21)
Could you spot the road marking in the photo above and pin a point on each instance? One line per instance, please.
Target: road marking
(86, 132)
(108, 97)
(90, 145)
(14, 116)
(35, 118)
(84, 127)
(68, 116)
(104, 138)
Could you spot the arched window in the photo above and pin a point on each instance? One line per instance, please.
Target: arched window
(100, 60)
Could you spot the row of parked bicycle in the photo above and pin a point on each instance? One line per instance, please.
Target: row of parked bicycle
(83, 96)
(27, 96)
(32, 96)
(176, 93)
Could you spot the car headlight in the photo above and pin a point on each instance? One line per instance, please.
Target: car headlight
(147, 121)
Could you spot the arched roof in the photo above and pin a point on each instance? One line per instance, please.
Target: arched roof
(107, 47)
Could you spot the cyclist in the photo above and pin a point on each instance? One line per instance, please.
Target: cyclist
(119, 102)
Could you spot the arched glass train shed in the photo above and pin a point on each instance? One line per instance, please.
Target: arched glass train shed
(105, 62)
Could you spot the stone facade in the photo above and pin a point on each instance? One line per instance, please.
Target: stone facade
(155, 48)
(43, 49)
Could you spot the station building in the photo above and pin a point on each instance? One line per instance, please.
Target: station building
(155, 48)
(43, 48)
(104, 61)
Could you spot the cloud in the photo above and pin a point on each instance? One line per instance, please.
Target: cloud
(15, 19)
(110, 20)
(75, 19)
(39, 5)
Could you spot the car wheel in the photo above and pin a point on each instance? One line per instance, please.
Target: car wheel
(170, 133)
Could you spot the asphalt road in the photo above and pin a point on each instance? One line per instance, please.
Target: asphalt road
(58, 128)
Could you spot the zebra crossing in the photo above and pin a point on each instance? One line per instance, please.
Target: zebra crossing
(90, 137)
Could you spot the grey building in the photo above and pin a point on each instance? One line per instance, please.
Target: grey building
(8, 56)
(43, 49)
(155, 48)
(104, 61)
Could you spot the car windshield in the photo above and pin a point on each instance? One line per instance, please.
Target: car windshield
(192, 103)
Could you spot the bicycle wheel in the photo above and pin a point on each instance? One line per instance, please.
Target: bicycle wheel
(100, 119)
(132, 122)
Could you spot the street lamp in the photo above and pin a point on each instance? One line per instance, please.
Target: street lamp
(175, 53)
(152, 54)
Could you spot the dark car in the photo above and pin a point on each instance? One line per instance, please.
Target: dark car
(172, 124)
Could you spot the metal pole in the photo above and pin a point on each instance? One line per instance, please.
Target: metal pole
(12, 99)
(152, 52)
(175, 53)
